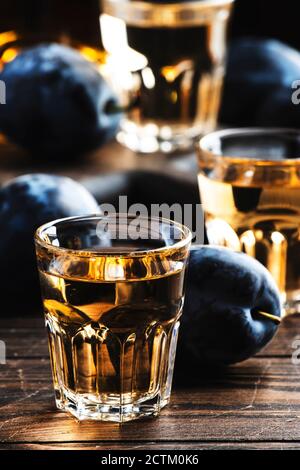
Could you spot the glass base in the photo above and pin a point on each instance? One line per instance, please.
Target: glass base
(83, 408)
(151, 138)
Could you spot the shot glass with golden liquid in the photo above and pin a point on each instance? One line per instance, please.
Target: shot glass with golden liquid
(113, 289)
(166, 64)
(249, 182)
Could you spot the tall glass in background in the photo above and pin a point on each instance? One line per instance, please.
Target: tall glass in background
(113, 290)
(249, 182)
(166, 64)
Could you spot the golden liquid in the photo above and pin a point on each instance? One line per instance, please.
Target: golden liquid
(261, 220)
(113, 342)
(171, 83)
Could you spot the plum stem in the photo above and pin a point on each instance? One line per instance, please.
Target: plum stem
(269, 316)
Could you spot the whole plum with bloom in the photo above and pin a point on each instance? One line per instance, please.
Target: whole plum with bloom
(27, 202)
(257, 86)
(225, 292)
(58, 105)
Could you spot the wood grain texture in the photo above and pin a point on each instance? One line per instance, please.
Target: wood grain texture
(255, 404)
(153, 446)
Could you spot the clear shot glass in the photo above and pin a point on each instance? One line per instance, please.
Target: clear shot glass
(113, 289)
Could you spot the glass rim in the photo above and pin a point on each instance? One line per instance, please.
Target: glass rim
(177, 4)
(86, 253)
(165, 14)
(205, 145)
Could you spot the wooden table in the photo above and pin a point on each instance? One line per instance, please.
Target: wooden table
(255, 404)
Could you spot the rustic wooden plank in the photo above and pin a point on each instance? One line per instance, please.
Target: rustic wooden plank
(25, 342)
(256, 400)
(152, 446)
(283, 342)
(27, 338)
(252, 427)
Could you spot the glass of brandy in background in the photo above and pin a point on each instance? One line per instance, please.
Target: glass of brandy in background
(249, 182)
(166, 64)
(113, 289)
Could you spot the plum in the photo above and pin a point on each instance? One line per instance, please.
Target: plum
(221, 323)
(27, 202)
(256, 70)
(57, 103)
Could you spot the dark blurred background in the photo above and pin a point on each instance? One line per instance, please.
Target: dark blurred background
(79, 19)
(267, 18)
(75, 18)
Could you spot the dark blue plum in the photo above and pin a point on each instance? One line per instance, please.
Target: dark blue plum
(26, 203)
(220, 323)
(256, 70)
(57, 103)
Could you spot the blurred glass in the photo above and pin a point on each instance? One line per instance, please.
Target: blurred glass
(249, 182)
(166, 64)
